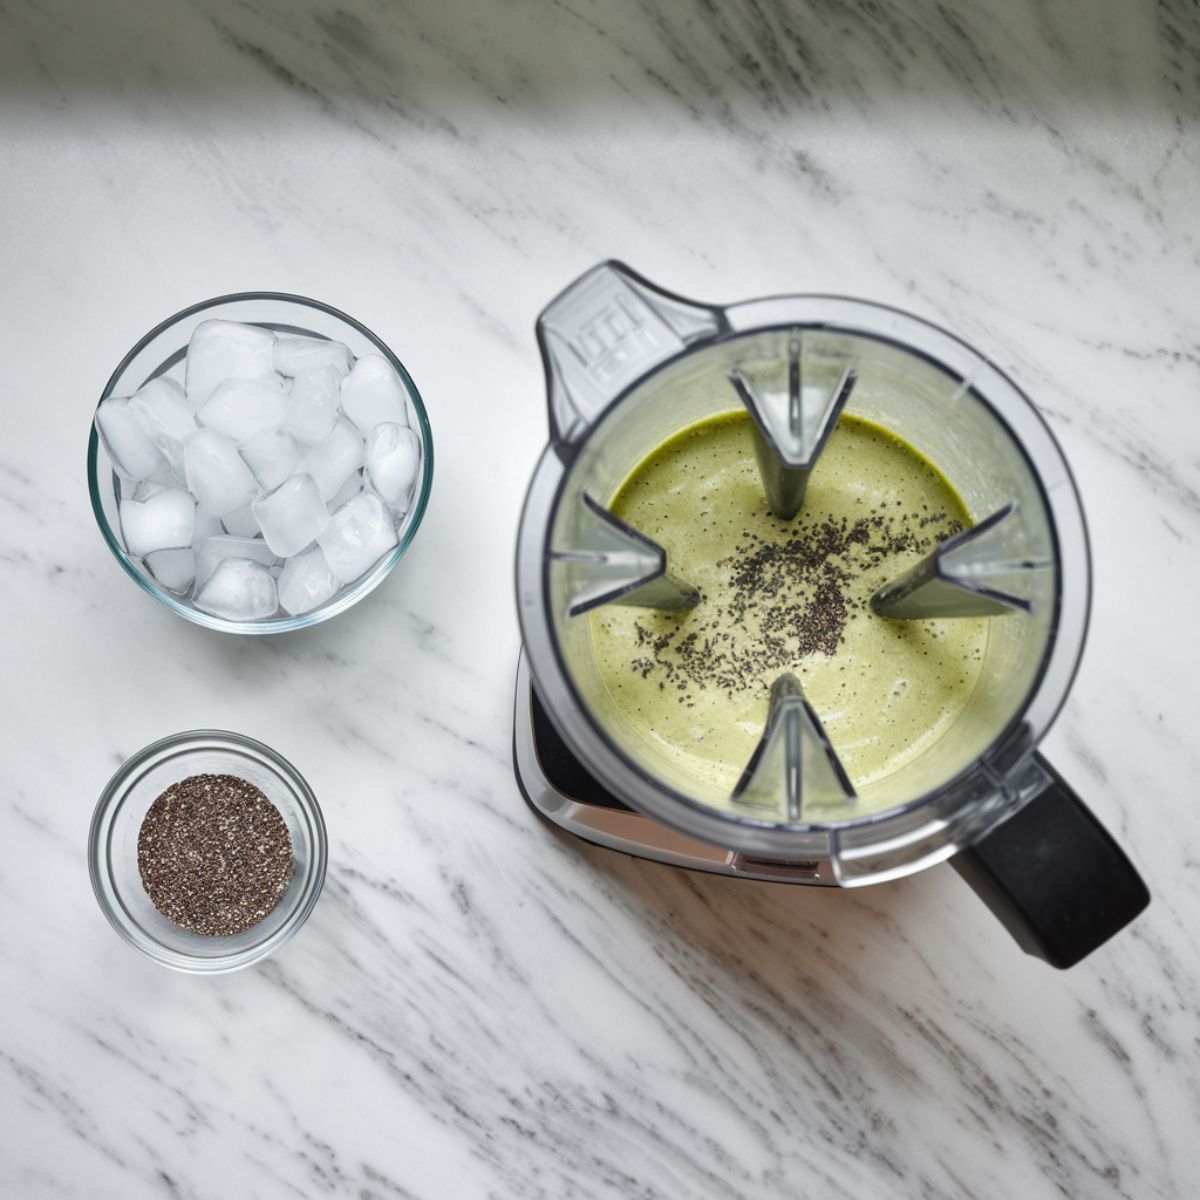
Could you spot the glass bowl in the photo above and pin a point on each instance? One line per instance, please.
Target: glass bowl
(162, 352)
(112, 848)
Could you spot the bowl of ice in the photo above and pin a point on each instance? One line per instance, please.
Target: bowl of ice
(259, 462)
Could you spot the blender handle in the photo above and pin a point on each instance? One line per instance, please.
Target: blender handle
(608, 329)
(1054, 876)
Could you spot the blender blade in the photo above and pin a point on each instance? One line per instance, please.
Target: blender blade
(794, 767)
(616, 564)
(980, 572)
(791, 430)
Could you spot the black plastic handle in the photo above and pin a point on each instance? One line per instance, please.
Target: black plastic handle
(1054, 876)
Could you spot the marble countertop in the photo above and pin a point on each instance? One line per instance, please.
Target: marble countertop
(479, 1007)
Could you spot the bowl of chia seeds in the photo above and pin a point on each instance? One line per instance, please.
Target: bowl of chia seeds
(207, 851)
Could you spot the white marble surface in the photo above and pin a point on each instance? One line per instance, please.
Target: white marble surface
(478, 1008)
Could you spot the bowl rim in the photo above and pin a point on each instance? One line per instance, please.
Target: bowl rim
(344, 600)
(99, 859)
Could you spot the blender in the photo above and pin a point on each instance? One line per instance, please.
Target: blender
(628, 366)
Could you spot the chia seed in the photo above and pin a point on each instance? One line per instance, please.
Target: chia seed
(795, 597)
(214, 855)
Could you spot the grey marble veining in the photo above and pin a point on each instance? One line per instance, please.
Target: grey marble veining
(478, 1007)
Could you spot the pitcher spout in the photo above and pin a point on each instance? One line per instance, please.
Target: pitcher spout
(602, 334)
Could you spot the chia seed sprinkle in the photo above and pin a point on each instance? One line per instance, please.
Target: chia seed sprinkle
(214, 854)
(794, 596)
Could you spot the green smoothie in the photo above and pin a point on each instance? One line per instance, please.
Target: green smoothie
(787, 596)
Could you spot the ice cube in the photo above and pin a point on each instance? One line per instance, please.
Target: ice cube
(351, 487)
(145, 488)
(306, 582)
(239, 590)
(206, 526)
(174, 569)
(133, 454)
(393, 456)
(166, 417)
(313, 404)
(221, 350)
(216, 474)
(165, 477)
(372, 393)
(165, 521)
(214, 550)
(358, 534)
(241, 523)
(291, 516)
(272, 454)
(239, 408)
(333, 459)
(296, 355)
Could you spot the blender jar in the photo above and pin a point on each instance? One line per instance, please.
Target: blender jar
(628, 366)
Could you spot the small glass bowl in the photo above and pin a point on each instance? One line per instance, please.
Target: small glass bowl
(112, 848)
(162, 352)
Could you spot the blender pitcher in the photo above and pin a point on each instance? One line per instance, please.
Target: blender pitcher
(628, 366)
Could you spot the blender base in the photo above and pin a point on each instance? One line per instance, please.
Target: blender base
(558, 787)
